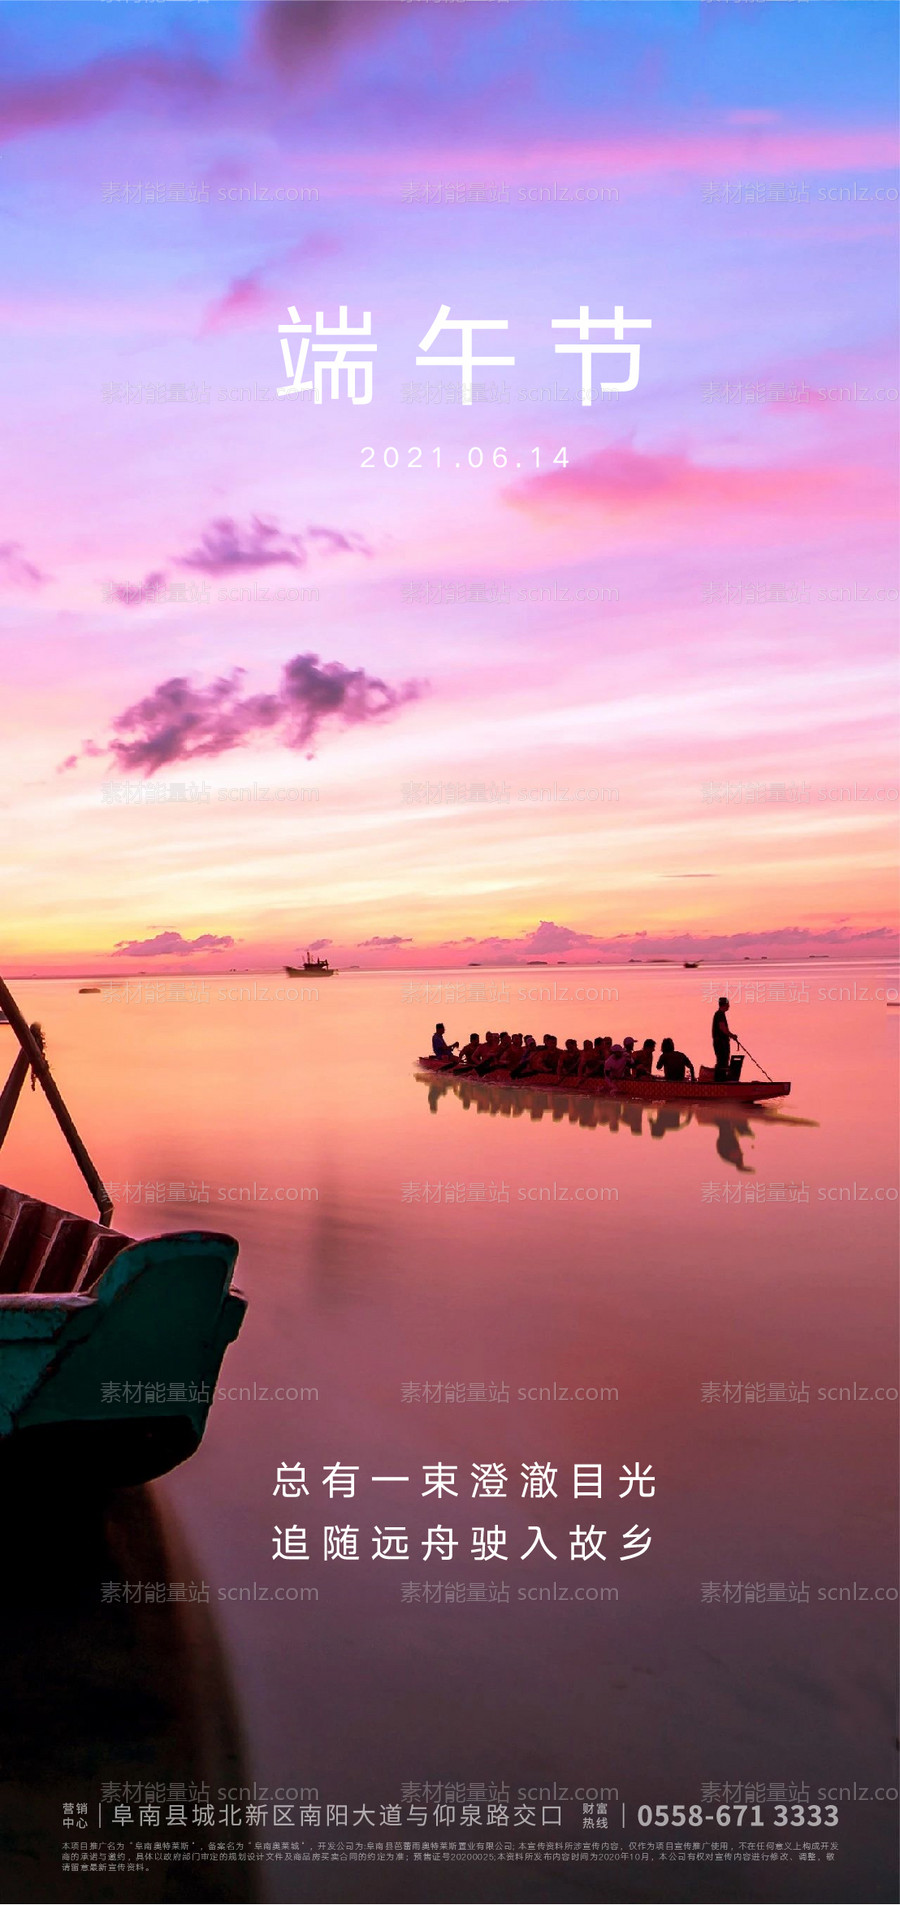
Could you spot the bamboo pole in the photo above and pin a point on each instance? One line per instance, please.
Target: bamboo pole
(9, 1097)
(37, 1061)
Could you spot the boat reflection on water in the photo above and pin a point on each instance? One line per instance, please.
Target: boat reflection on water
(731, 1124)
(96, 1692)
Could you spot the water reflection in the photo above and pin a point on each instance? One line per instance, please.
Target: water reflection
(91, 1691)
(732, 1125)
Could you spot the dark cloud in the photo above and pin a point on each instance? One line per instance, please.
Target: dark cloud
(393, 939)
(224, 546)
(16, 568)
(181, 720)
(311, 692)
(171, 943)
(296, 36)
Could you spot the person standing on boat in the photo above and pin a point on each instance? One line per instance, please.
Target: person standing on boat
(722, 1038)
(439, 1044)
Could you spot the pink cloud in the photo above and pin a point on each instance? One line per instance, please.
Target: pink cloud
(170, 942)
(622, 481)
(383, 944)
(248, 299)
(243, 303)
(787, 941)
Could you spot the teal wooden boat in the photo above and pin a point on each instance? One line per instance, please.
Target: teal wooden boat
(110, 1349)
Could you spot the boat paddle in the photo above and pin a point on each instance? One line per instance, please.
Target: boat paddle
(755, 1061)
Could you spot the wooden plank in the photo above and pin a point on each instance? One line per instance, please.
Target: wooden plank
(18, 1243)
(106, 1246)
(62, 1262)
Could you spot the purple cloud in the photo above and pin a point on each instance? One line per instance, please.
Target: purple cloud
(133, 593)
(312, 692)
(547, 937)
(393, 939)
(225, 546)
(296, 38)
(185, 721)
(103, 85)
(335, 543)
(171, 942)
(178, 722)
(16, 568)
(318, 945)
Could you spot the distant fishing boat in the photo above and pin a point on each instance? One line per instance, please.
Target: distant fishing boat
(89, 988)
(312, 968)
(692, 964)
(110, 1349)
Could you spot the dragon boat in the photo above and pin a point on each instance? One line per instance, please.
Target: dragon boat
(737, 1091)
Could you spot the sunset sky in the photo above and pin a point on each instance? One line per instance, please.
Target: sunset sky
(531, 689)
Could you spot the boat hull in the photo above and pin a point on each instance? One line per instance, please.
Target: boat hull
(110, 1350)
(123, 1453)
(641, 1090)
(311, 972)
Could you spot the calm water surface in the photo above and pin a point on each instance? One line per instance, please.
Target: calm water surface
(393, 1234)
